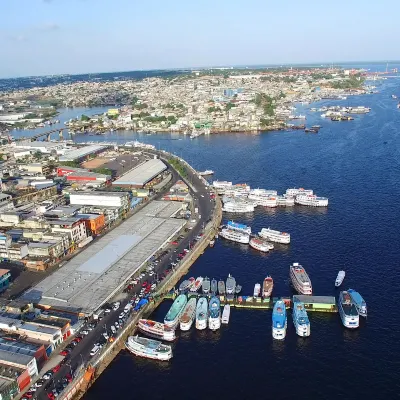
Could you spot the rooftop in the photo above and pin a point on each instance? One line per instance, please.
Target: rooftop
(82, 152)
(15, 358)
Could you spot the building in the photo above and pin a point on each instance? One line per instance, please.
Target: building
(5, 201)
(108, 199)
(52, 248)
(22, 362)
(4, 279)
(9, 386)
(82, 153)
(74, 227)
(38, 168)
(95, 223)
(82, 175)
(11, 250)
(43, 147)
(141, 175)
(64, 324)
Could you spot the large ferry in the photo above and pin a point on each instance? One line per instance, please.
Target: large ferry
(156, 329)
(230, 285)
(206, 285)
(148, 348)
(238, 207)
(197, 284)
(260, 245)
(279, 320)
(263, 192)
(235, 236)
(176, 310)
(201, 313)
(221, 288)
(221, 186)
(311, 200)
(263, 200)
(340, 278)
(359, 302)
(268, 286)
(295, 192)
(300, 319)
(239, 227)
(226, 314)
(214, 320)
(275, 236)
(300, 280)
(285, 201)
(188, 315)
(348, 311)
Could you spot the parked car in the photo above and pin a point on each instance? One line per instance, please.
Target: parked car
(116, 305)
(65, 352)
(48, 375)
(116, 325)
(56, 368)
(84, 332)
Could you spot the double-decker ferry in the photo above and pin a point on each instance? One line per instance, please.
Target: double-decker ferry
(300, 280)
(188, 315)
(279, 320)
(348, 311)
(176, 310)
(300, 319)
(148, 348)
(275, 236)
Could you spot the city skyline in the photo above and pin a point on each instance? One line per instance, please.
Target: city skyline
(82, 36)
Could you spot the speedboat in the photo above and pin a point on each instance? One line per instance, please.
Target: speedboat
(339, 278)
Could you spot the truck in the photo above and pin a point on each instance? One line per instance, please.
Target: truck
(97, 314)
(196, 210)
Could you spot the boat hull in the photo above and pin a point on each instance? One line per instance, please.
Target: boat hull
(157, 356)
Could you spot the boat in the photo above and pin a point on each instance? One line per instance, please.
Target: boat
(359, 302)
(339, 278)
(348, 311)
(263, 200)
(311, 200)
(206, 172)
(257, 290)
(214, 319)
(221, 186)
(201, 313)
(285, 201)
(230, 285)
(156, 329)
(263, 192)
(235, 236)
(188, 315)
(221, 288)
(197, 284)
(238, 207)
(261, 245)
(394, 96)
(176, 310)
(238, 289)
(239, 227)
(185, 286)
(148, 348)
(226, 313)
(206, 285)
(300, 280)
(214, 286)
(212, 243)
(300, 319)
(294, 192)
(268, 286)
(275, 236)
(279, 320)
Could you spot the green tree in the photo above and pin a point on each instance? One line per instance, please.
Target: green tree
(84, 118)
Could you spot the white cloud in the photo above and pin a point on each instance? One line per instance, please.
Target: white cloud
(17, 38)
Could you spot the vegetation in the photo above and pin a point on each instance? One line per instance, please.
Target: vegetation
(104, 171)
(229, 106)
(213, 109)
(75, 164)
(140, 106)
(85, 118)
(178, 166)
(354, 82)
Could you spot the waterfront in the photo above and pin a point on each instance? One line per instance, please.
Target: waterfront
(356, 165)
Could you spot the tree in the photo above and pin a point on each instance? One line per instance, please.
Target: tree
(38, 155)
(84, 118)
(104, 171)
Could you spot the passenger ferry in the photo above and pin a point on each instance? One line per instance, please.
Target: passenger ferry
(257, 290)
(214, 320)
(197, 284)
(156, 329)
(238, 207)
(311, 200)
(235, 236)
(268, 286)
(295, 192)
(279, 320)
(275, 236)
(359, 302)
(201, 313)
(176, 310)
(300, 280)
(239, 227)
(348, 311)
(260, 245)
(285, 201)
(226, 314)
(340, 278)
(263, 200)
(221, 186)
(148, 348)
(188, 315)
(300, 319)
(263, 192)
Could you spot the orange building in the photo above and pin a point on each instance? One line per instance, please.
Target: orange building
(94, 223)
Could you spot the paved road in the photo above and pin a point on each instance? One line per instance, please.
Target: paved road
(80, 354)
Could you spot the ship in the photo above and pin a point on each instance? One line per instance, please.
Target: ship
(148, 348)
(238, 207)
(156, 329)
(201, 313)
(279, 320)
(340, 278)
(268, 286)
(214, 286)
(206, 172)
(197, 284)
(214, 319)
(206, 285)
(188, 315)
(257, 290)
(226, 314)
(221, 186)
(186, 285)
(300, 280)
(260, 245)
(263, 200)
(239, 227)
(221, 288)
(285, 201)
(176, 310)
(359, 302)
(230, 285)
(263, 192)
(311, 200)
(300, 319)
(275, 236)
(235, 236)
(348, 311)
(295, 192)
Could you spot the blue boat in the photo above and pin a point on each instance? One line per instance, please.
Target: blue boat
(214, 319)
(239, 227)
(279, 320)
(300, 319)
(359, 302)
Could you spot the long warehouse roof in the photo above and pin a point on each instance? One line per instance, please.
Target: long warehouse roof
(142, 174)
(81, 152)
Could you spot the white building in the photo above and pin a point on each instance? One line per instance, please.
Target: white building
(74, 227)
(113, 199)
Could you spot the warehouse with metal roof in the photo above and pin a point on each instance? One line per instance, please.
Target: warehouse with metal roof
(81, 153)
(142, 174)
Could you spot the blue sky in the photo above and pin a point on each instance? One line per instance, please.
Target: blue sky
(39, 37)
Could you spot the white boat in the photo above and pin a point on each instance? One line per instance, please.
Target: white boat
(201, 313)
(206, 285)
(156, 329)
(279, 320)
(221, 186)
(238, 207)
(263, 192)
(300, 280)
(300, 319)
(239, 227)
(235, 236)
(206, 172)
(257, 290)
(348, 311)
(260, 245)
(197, 284)
(263, 200)
(230, 285)
(214, 319)
(148, 348)
(268, 286)
(311, 200)
(294, 192)
(340, 278)
(275, 236)
(188, 315)
(226, 314)
(285, 201)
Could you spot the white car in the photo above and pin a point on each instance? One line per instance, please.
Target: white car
(116, 305)
(84, 332)
(105, 335)
(107, 310)
(122, 315)
(113, 330)
(116, 325)
(46, 377)
(153, 286)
